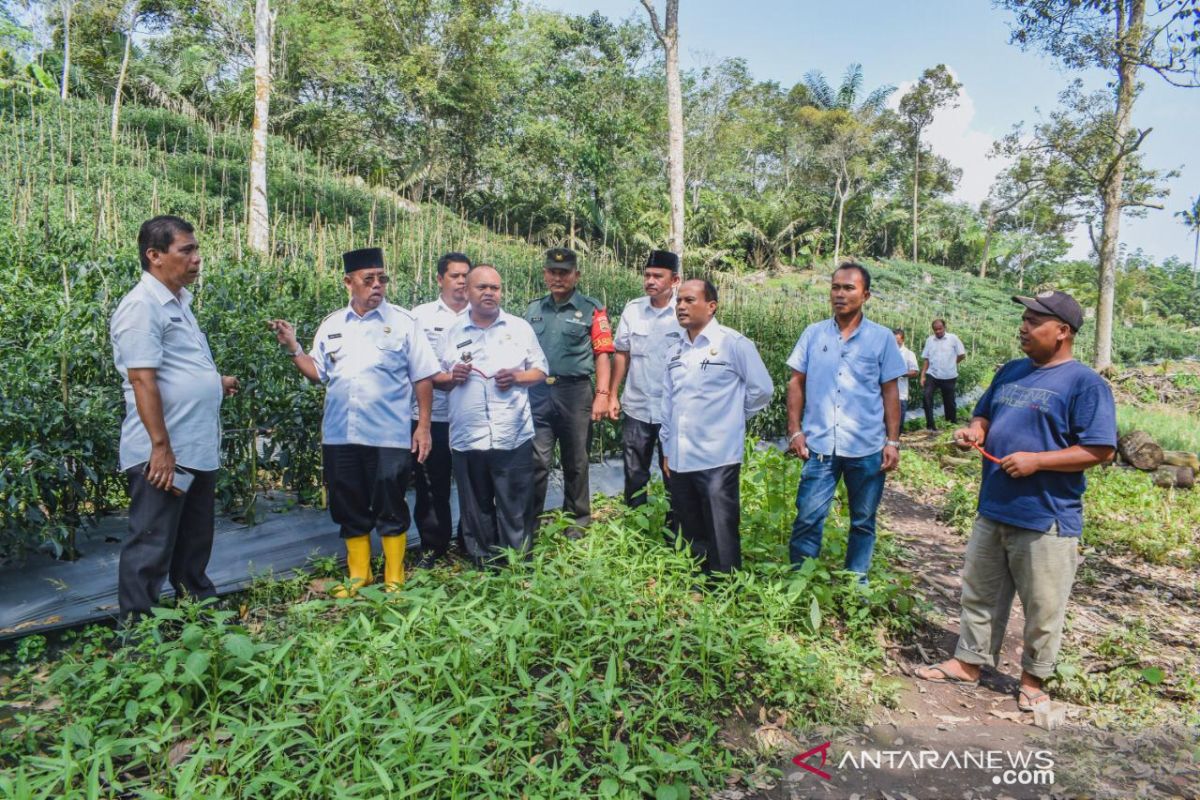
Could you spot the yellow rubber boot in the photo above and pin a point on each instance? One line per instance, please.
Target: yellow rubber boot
(358, 562)
(393, 562)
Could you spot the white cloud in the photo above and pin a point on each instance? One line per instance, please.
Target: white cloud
(952, 137)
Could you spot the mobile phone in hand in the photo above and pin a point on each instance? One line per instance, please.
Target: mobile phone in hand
(182, 481)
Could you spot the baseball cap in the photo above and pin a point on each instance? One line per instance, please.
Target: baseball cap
(1054, 304)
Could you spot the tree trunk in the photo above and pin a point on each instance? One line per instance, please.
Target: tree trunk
(916, 183)
(668, 36)
(260, 225)
(116, 109)
(67, 7)
(675, 128)
(987, 243)
(1196, 259)
(1129, 34)
(837, 237)
(1140, 450)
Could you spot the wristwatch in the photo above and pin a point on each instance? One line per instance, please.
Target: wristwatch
(299, 351)
(892, 443)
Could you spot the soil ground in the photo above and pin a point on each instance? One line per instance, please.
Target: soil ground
(946, 723)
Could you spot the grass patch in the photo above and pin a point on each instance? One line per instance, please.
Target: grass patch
(1173, 428)
(595, 669)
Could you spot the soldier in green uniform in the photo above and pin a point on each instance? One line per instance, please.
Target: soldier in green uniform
(575, 334)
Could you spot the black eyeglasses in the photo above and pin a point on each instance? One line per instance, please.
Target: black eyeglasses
(369, 280)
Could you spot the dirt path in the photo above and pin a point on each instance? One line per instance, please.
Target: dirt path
(942, 741)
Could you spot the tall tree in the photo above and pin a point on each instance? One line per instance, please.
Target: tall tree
(1191, 218)
(260, 221)
(67, 8)
(935, 89)
(668, 36)
(1121, 36)
(128, 20)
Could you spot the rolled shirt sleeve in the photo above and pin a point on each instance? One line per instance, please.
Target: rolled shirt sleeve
(138, 336)
(891, 363)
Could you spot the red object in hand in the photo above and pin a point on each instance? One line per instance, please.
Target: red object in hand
(985, 453)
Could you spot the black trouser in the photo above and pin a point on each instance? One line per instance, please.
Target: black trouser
(366, 488)
(707, 506)
(431, 485)
(494, 488)
(170, 536)
(562, 413)
(639, 439)
(946, 385)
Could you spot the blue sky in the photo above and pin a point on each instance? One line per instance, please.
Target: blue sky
(782, 40)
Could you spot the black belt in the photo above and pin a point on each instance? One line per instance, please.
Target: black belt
(556, 379)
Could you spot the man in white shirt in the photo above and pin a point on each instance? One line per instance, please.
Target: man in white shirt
(372, 359)
(171, 435)
(647, 335)
(942, 354)
(431, 480)
(910, 361)
(489, 359)
(715, 381)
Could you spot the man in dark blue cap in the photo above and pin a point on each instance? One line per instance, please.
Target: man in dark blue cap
(647, 334)
(1043, 421)
(574, 333)
(372, 358)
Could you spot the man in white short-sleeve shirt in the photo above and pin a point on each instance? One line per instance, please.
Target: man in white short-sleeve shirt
(171, 435)
(942, 354)
(647, 334)
(372, 360)
(431, 480)
(910, 361)
(489, 359)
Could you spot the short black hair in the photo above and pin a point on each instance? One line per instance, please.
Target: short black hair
(158, 233)
(936, 321)
(710, 290)
(866, 275)
(452, 258)
(899, 331)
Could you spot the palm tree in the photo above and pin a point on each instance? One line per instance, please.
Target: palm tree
(822, 95)
(1191, 218)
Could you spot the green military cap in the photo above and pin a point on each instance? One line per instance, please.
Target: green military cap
(561, 258)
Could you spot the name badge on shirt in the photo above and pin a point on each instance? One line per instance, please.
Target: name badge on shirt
(461, 345)
(672, 334)
(334, 336)
(176, 319)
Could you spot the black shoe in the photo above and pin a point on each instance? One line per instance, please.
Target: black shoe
(428, 560)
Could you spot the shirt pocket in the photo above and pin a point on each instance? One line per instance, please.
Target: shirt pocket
(393, 353)
(865, 369)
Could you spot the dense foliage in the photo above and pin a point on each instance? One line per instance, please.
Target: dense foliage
(68, 247)
(597, 669)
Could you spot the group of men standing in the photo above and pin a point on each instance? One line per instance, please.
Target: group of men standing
(459, 389)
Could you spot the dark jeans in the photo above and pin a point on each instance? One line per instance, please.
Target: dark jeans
(864, 478)
(707, 505)
(169, 537)
(494, 490)
(431, 485)
(366, 488)
(562, 414)
(946, 386)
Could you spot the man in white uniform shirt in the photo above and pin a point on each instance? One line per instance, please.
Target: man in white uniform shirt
(647, 335)
(715, 381)
(431, 480)
(372, 359)
(939, 371)
(171, 435)
(489, 361)
(910, 361)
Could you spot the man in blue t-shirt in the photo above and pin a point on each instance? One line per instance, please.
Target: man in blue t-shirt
(1044, 420)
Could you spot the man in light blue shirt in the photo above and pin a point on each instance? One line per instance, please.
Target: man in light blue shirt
(171, 435)
(843, 418)
(372, 358)
(489, 359)
(715, 381)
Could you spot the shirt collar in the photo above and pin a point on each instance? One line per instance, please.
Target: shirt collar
(712, 335)
(862, 323)
(352, 314)
(669, 308)
(502, 319)
(570, 301)
(443, 307)
(162, 294)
